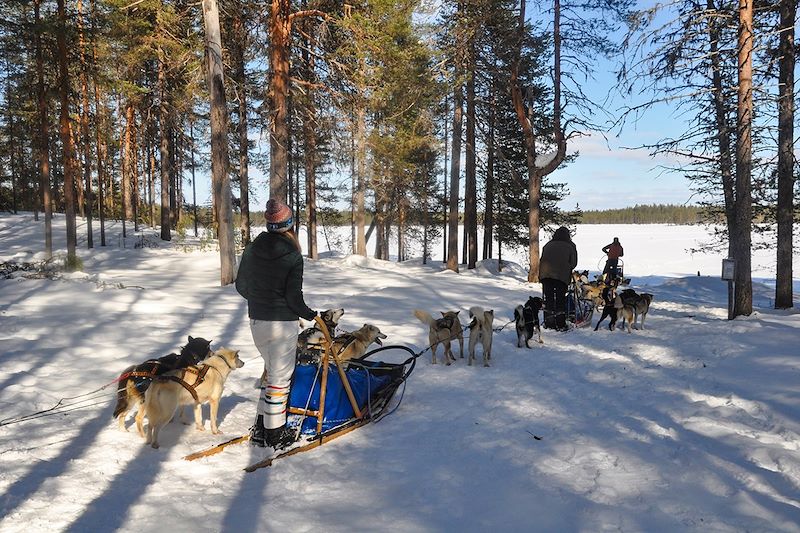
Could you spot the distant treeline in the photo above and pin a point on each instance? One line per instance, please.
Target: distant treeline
(639, 214)
(645, 214)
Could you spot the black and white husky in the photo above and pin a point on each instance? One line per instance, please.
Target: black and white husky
(526, 318)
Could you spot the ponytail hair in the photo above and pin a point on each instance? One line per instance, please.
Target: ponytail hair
(291, 237)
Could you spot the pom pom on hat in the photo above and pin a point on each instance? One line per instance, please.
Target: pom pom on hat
(278, 215)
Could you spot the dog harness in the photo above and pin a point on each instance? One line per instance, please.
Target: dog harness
(347, 339)
(200, 372)
(444, 322)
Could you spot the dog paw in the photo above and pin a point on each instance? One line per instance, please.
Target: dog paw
(154, 445)
(216, 432)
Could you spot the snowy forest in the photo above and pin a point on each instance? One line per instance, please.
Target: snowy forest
(418, 116)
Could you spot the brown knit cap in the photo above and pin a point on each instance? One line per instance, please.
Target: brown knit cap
(278, 215)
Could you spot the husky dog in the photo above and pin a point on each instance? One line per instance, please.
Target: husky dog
(442, 331)
(580, 277)
(634, 306)
(613, 303)
(354, 345)
(309, 341)
(194, 385)
(480, 331)
(134, 380)
(527, 321)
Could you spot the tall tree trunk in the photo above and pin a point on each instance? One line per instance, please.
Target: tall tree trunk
(470, 171)
(43, 143)
(401, 230)
(98, 127)
(163, 114)
(127, 166)
(219, 144)
(723, 129)
(66, 139)
(488, 215)
(151, 180)
(85, 138)
(380, 220)
(455, 173)
(279, 35)
(173, 171)
(12, 142)
(535, 173)
(238, 47)
(194, 179)
(311, 188)
(743, 298)
(310, 155)
(444, 182)
(361, 180)
(785, 208)
(134, 170)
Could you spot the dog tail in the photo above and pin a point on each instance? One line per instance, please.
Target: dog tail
(122, 393)
(518, 312)
(476, 315)
(423, 317)
(122, 402)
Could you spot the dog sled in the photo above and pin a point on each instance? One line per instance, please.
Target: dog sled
(329, 399)
(579, 309)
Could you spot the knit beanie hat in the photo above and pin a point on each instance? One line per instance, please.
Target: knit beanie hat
(279, 216)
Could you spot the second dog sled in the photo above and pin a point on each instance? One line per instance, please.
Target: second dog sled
(331, 398)
(579, 309)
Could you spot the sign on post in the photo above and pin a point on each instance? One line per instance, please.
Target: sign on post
(728, 274)
(728, 269)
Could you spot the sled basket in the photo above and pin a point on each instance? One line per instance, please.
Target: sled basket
(333, 393)
(372, 383)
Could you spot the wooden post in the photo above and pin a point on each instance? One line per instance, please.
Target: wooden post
(345, 382)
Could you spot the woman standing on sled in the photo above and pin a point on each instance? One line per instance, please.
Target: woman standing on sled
(559, 259)
(271, 279)
(614, 252)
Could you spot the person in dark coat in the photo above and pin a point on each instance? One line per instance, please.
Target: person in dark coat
(270, 277)
(614, 252)
(559, 259)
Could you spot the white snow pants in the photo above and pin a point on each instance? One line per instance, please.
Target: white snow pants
(276, 340)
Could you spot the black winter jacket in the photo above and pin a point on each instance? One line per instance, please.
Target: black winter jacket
(271, 279)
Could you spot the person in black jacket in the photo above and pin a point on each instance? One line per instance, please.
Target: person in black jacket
(559, 259)
(270, 277)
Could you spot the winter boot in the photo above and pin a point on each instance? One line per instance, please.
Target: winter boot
(280, 438)
(258, 434)
(549, 319)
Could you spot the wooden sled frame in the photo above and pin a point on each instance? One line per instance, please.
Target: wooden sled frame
(325, 361)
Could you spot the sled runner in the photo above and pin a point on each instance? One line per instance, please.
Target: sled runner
(327, 400)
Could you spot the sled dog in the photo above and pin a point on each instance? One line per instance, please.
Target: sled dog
(635, 306)
(134, 380)
(442, 331)
(526, 318)
(480, 331)
(353, 345)
(309, 341)
(195, 385)
(612, 305)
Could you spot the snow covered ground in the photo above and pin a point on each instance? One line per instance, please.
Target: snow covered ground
(690, 425)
